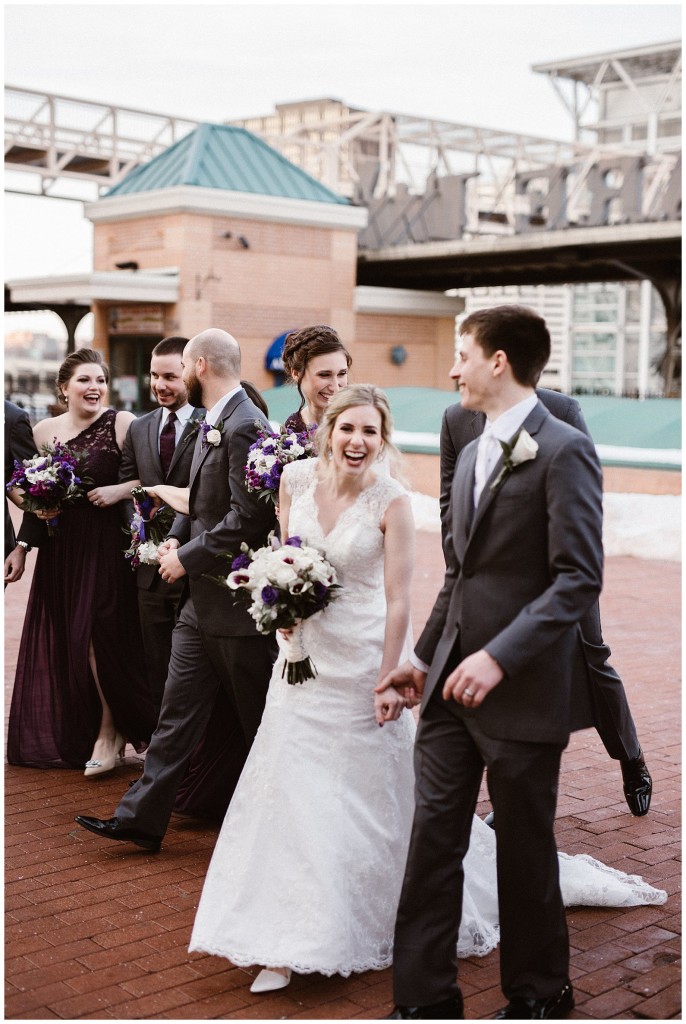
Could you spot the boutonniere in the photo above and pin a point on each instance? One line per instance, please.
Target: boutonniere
(522, 448)
(195, 425)
(211, 434)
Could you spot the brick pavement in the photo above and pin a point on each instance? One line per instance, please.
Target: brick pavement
(100, 931)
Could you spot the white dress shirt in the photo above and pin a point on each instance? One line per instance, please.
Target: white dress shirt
(182, 417)
(501, 429)
(214, 413)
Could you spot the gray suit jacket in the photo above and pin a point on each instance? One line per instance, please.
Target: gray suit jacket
(460, 426)
(141, 461)
(222, 514)
(521, 571)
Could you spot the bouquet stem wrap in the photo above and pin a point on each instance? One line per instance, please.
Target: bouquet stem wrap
(298, 665)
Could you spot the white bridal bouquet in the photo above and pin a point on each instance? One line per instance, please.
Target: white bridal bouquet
(282, 585)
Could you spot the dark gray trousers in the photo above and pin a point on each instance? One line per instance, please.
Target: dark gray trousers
(611, 714)
(199, 664)
(450, 755)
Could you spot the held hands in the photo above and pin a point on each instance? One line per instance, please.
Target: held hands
(401, 688)
(170, 569)
(473, 679)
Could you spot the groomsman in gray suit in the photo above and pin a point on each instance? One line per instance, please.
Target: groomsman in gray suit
(215, 642)
(612, 716)
(498, 668)
(158, 449)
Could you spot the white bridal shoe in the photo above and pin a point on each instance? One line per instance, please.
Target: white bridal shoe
(270, 981)
(96, 767)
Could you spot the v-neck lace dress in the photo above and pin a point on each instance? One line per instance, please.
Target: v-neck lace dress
(309, 863)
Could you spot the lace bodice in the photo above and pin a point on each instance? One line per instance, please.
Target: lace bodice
(355, 545)
(98, 442)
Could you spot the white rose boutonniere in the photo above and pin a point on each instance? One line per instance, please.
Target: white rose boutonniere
(522, 448)
(211, 435)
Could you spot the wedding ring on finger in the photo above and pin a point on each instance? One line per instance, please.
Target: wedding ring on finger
(469, 693)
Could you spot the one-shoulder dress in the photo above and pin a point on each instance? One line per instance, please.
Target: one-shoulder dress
(82, 590)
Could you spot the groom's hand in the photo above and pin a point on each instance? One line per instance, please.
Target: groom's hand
(171, 569)
(473, 679)
(408, 680)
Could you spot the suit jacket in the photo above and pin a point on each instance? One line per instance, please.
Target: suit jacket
(19, 445)
(222, 514)
(141, 461)
(522, 568)
(460, 426)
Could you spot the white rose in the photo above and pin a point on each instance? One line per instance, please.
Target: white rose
(213, 437)
(147, 553)
(524, 450)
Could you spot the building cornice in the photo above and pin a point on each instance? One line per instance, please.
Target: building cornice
(103, 286)
(219, 203)
(405, 302)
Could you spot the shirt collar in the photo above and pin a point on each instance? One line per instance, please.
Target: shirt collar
(214, 413)
(183, 414)
(508, 423)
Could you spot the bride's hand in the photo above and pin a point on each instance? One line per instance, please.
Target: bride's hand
(388, 705)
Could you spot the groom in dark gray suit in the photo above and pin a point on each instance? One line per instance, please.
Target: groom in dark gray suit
(500, 669)
(215, 641)
(612, 716)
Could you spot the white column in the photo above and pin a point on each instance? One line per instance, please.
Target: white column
(644, 338)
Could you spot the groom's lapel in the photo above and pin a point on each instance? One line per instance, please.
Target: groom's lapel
(531, 424)
(462, 496)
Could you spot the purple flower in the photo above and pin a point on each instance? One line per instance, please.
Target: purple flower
(269, 595)
(240, 562)
(294, 542)
(319, 590)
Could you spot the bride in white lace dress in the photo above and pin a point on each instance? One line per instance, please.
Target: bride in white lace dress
(308, 866)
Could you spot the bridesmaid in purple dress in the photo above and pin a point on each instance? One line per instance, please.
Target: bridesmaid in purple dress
(80, 691)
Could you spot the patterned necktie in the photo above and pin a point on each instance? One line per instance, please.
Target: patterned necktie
(168, 442)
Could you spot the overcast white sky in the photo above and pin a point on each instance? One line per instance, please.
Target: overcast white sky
(459, 62)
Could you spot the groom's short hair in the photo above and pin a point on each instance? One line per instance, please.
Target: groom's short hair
(519, 332)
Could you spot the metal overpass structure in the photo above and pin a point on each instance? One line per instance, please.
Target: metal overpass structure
(451, 205)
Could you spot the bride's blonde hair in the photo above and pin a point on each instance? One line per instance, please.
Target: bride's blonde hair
(349, 398)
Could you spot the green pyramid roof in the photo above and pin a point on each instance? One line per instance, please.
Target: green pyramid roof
(229, 158)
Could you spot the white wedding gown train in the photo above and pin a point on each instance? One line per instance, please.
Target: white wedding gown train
(309, 863)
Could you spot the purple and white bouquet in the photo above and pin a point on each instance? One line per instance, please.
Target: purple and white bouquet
(51, 480)
(147, 528)
(282, 585)
(268, 456)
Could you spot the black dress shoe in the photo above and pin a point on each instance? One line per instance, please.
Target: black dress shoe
(449, 1009)
(111, 828)
(554, 1008)
(638, 785)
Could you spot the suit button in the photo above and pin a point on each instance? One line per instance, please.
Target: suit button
(193, 518)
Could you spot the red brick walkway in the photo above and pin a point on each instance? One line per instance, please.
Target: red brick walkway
(100, 931)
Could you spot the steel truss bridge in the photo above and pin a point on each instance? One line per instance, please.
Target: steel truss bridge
(450, 205)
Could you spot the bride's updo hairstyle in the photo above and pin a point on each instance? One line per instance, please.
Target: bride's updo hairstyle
(68, 369)
(303, 345)
(349, 398)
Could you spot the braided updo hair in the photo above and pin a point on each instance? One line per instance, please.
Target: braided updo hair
(305, 344)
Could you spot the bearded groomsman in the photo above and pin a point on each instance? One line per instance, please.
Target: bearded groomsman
(612, 716)
(497, 665)
(215, 641)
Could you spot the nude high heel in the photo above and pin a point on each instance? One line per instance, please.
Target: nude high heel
(107, 764)
(270, 981)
